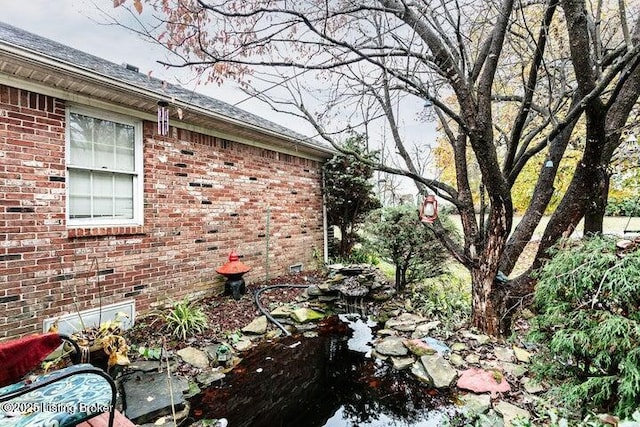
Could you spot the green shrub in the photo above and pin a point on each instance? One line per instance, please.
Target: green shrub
(588, 322)
(446, 298)
(398, 236)
(623, 207)
(185, 319)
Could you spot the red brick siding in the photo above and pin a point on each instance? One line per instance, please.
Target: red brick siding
(203, 197)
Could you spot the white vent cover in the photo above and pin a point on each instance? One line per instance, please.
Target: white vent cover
(70, 323)
(296, 268)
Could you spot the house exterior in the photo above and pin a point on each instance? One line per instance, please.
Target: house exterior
(99, 210)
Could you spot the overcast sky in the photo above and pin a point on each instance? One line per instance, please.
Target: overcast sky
(76, 23)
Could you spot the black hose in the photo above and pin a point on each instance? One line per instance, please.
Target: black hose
(269, 316)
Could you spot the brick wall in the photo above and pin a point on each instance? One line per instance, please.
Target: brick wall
(203, 197)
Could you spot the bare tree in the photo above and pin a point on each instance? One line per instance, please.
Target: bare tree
(344, 65)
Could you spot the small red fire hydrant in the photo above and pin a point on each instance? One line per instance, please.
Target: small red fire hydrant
(233, 271)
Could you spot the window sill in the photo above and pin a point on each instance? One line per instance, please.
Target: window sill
(116, 230)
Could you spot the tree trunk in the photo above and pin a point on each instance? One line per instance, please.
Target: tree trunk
(488, 299)
(487, 302)
(595, 210)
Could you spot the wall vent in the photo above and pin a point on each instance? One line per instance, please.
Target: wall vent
(70, 323)
(296, 268)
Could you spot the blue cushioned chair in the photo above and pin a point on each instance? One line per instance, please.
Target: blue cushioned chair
(62, 398)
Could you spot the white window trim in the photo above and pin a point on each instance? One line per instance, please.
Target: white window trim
(138, 175)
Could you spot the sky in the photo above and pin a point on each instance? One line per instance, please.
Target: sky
(78, 24)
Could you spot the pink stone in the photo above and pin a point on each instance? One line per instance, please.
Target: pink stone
(480, 381)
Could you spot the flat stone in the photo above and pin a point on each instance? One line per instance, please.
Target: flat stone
(418, 370)
(303, 315)
(472, 359)
(437, 345)
(148, 397)
(531, 386)
(207, 378)
(145, 365)
(406, 322)
(521, 354)
(456, 360)
(194, 357)
(481, 381)
(475, 404)
(314, 291)
(328, 298)
(282, 311)
(324, 287)
(418, 347)
(167, 420)
(458, 346)
(243, 345)
(511, 368)
(424, 329)
(258, 326)
(503, 354)
(510, 412)
(480, 339)
(401, 363)
(391, 346)
(441, 372)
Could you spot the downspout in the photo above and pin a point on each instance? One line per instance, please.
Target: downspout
(325, 226)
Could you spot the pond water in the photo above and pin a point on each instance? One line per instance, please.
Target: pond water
(327, 381)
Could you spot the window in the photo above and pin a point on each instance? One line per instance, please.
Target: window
(104, 169)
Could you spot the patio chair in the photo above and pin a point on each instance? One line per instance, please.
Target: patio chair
(62, 398)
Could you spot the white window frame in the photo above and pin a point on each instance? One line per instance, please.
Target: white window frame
(138, 173)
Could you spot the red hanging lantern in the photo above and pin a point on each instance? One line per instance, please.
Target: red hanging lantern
(163, 118)
(429, 209)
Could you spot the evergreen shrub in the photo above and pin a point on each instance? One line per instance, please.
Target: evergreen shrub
(588, 324)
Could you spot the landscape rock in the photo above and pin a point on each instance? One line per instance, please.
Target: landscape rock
(458, 346)
(482, 381)
(194, 357)
(258, 326)
(314, 291)
(243, 345)
(419, 347)
(303, 315)
(510, 412)
(456, 360)
(392, 346)
(282, 311)
(472, 359)
(418, 370)
(145, 365)
(475, 404)
(406, 322)
(503, 354)
(423, 330)
(207, 378)
(437, 345)
(521, 354)
(401, 363)
(532, 386)
(442, 374)
(513, 369)
(480, 339)
(148, 396)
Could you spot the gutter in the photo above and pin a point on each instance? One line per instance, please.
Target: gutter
(64, 66)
